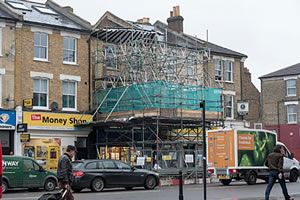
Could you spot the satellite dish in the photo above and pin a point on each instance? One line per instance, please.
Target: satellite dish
(54, 106)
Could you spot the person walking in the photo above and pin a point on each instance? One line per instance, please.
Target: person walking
(274, 162)
(64, 171)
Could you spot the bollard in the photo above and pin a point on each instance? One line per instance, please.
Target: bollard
(180, 186)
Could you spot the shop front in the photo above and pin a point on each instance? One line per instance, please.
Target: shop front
(49, 134)
(7, 129)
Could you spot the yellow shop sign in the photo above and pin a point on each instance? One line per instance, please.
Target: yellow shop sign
(61, 121)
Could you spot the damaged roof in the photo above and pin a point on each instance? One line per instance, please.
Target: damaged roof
(49, 14)
(185, 39)
(287, 71)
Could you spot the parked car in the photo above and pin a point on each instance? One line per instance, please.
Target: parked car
(24, 172)
(100, 174)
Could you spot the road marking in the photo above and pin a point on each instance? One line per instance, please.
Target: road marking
(131, 192)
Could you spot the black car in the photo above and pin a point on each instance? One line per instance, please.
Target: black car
(100, 174)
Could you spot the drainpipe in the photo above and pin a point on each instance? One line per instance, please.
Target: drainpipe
(89, 56)
(278, 121)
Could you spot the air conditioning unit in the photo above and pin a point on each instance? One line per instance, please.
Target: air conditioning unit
(257, 125)
(242, 107)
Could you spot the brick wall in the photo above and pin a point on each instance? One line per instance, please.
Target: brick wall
(235, 86)
(273, 98)
(252, 95)
(7, 62)
(25, 64)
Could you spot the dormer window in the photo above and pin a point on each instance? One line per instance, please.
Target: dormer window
(44, 10)
(17, 5)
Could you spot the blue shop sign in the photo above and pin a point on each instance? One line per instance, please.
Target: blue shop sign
(7, 120)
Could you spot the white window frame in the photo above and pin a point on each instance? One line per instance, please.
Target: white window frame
(189, 65)
(230, 72)
(2, 72)
(232, 106)
(1, 29)
(47, 101)
(288, 114)
(218, 70)
(70, 109)
(287, 88)
(47, 47)
(75, 55)
(0, 90)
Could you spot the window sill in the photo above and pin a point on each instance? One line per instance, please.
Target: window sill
(70, 109)
(291, 123)
(229, 118)
(291, 95)
(70, 63)
(231, 82)
(40, 108)
(41, 60)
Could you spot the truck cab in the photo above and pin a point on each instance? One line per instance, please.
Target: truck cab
(291, 166)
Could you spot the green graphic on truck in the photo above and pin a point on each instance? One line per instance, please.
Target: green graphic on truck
(254, 146)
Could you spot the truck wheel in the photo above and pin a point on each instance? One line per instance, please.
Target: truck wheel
(293, 176)
(50, 184)
(4, 186)
(226, 181)
(251, 178)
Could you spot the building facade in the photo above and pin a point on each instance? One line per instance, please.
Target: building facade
(51, 71)
(280, 111)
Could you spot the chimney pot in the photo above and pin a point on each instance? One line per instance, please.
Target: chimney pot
(178, 10)
(175, 11)
(171, 13)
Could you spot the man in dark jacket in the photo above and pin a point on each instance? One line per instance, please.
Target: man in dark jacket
(64, 171)
(275, 164)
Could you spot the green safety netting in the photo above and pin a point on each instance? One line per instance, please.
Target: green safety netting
(157, 94)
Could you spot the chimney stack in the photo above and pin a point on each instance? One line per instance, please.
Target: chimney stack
(175, 21)
(145, 20)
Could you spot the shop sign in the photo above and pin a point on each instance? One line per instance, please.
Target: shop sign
(56, 121)
(22, 128)
(7, 120)
(27, 103)
(25, 137)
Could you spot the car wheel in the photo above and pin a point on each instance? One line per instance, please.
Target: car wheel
(4, 186)
(225, 181)
(150, 182)
(97, 185)
(50, 185)
(251, 178)
(128, 188)
(293, 176)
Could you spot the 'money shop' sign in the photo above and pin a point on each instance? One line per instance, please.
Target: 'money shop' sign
(58, 121)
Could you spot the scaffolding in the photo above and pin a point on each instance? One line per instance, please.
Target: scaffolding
(147, 91)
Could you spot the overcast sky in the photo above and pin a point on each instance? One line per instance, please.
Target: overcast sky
(267, 31)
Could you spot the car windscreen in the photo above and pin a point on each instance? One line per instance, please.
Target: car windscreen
(76, 165)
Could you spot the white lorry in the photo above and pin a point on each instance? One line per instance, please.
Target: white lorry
(240, 154)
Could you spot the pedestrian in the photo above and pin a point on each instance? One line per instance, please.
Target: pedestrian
(274, 162)
(64, 171)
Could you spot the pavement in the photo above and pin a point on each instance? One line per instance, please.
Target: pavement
(295, 196)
